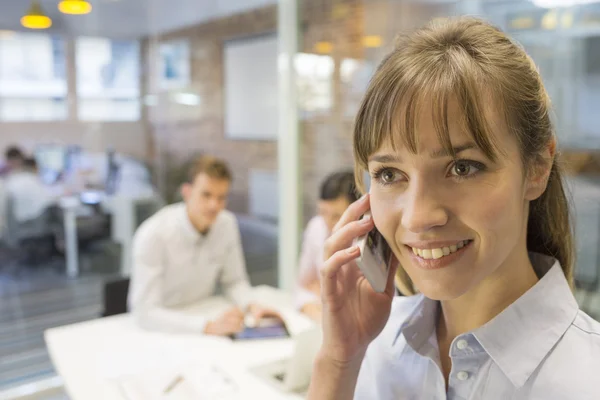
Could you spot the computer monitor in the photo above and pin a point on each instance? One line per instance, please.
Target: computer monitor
(51, 161)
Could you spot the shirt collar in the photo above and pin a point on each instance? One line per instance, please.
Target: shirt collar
(187, 228)
(520, 337)
(420, 324)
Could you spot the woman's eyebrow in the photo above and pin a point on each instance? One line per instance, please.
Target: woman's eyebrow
(458, 149)
(385, 158)
(394, 158)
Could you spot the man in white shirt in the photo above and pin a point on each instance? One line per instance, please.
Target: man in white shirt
(184, 250)
(29, 196)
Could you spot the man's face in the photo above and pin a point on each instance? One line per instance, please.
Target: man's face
(14, 163)
(205, 198)
(332, 210)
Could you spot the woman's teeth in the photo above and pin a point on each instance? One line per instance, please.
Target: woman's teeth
(434, 254)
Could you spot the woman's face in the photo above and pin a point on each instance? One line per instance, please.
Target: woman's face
(464, 219)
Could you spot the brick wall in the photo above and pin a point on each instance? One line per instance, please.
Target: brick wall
(125, 137)
(180, 131)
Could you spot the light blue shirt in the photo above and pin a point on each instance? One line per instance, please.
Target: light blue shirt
(540, 347)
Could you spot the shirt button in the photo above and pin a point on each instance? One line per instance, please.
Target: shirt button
(462, 344)
(462, 376)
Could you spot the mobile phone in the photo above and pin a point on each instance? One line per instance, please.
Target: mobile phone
(375, 257)
(274, 330)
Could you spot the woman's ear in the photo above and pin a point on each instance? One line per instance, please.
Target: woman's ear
(539, 174)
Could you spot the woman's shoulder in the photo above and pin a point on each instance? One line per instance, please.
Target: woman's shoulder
(581, 341)
(571, 369)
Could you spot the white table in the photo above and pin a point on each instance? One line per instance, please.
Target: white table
(91, 355)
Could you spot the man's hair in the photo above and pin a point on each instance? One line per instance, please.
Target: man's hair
(337, 185)
(30, 163)
(13, 152)
(211, 166)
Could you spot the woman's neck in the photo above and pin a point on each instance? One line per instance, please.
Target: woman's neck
(481, 304)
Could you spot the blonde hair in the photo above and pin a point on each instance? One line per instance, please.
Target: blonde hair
(472, 62)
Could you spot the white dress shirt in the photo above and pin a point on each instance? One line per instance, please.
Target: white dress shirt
(540, 347)
(176, 266)
(30, 197)
(311, 260)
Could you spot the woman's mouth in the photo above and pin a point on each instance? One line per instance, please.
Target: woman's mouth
(439, 257)
(439, 252)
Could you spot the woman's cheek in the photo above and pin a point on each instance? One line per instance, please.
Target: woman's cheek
(385, 212)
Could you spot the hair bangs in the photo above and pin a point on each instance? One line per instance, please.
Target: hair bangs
(405, 87)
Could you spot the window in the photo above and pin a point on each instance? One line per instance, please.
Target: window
(33, 85)
(108, 79)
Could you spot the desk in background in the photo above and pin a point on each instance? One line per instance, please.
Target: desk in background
(91, 356)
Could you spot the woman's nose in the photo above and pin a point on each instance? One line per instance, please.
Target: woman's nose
(422, 209)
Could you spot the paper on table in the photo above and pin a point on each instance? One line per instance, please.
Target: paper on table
(199, 382)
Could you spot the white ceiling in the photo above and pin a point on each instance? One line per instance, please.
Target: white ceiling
(127, 18)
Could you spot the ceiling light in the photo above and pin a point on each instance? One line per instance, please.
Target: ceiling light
(187, 99)
(76, 7)
(323, 47)
(550, 20)
(35, 17)
(372, 41)
(561, 3)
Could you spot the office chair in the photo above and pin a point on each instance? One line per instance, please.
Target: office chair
(32, 241)
(115, 297)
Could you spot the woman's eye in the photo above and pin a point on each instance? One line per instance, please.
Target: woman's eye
(465, 168)
(388, 176)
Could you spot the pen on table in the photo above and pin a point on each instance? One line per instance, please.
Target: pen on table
(178, 379)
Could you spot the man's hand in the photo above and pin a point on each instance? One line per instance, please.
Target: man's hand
(229, 323)
(259, 312)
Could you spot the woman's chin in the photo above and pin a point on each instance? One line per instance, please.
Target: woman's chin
(441, 290)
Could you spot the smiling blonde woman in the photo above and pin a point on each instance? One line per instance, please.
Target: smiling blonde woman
(466, 189)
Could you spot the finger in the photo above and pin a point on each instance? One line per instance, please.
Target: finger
(329, 272)
(233, 326)
(354, 211)
(236, 311)
(343, 237)
(234, 319)
(259, 313)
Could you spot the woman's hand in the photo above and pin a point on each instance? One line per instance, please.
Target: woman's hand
(353, 313)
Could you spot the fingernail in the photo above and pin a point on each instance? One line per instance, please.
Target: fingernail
(352, 250)
(364, 196)
(366, 220)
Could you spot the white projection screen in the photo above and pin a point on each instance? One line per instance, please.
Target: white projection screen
(250, 80)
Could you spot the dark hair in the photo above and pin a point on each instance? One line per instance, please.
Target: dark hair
(339, 184)
(13, 153)
(30, 163)
(211, 166)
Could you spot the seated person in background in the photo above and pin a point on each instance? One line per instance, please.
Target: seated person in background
(184, 250)
(14, 159)
(30, 197)
(337, 193)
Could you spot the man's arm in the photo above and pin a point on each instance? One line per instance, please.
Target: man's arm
(146, 288)
(309, 272)
(234, 278)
